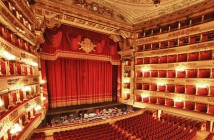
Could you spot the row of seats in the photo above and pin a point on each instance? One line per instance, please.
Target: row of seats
(210, 136)
(204, 37)
(102, 131)
(17, 14)
(186, 73)
(184, 57)
(192, 106)
(15, 68)
(15, 40)
(146, 127)
(38, 136)
(171, 88)
(175, 26)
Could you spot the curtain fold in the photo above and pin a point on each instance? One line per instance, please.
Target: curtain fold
(76, 81)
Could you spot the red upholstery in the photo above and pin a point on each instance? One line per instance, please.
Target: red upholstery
(182, 57)
(138, 98)
(155, 46)
(163, 59)
(139, 74)
(202, 91)
(139, 60)
(171, 74)
(189, 105)
(161, 88)
(212, 91)
(138, 86)
(211, 109)
(180, 88)
(206, 55)
(139, 48)
(145, 99)
(147, 47)
(145, 86)
(201, 107)
(212, 73)
(179, 104)
(161, 101)
(172, 58)
(154, 60)
(192, 73)
(162, 73)
(146, 60)
(11, 68)
(146, 74)
(190, 89)
(204, 73)
(153, 87)
(19, 68)
(170, 88)
(169, 102)
(3, 66)
(163, 45)
(181, 74)
(154, 73)
(153, 100)
(194, 56)
(6, 100)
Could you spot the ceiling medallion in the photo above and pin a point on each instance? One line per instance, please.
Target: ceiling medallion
(156, 2)
(87, 45)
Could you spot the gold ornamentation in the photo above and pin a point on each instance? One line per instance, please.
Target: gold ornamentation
(87, 45)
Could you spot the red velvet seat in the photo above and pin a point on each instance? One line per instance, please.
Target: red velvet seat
(154, 60)
(161, 88)
(179, 104)
(153, 87)
(202, 91)
(138, 86)
(204, 73)
(190, 89)
(169, 102)
(154, 73)
(163, 59)
(206, 55)
(212, 91)
(211, 109)
(171, 74)
(3, 66)
(138, 98)
(146, 74)
(180, 88)
(139, 74)
(170, 88)
(153, 100)
(162, 73)
(181, 74)
(190, 105)
(146, 60)
(192, 73)
(201, 107)
(172, 58)
(193, 56)
(145, 86)
(161, 101)
(182, 57)
(139, 61)
(145, 99)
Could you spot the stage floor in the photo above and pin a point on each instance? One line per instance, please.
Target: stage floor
(68, 109)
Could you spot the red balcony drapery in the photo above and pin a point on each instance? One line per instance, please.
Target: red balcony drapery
(76, 81)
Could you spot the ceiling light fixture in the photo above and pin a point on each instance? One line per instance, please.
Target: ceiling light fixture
(156, 2)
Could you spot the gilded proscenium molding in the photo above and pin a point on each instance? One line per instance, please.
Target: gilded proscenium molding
(8, 121)
(176, 81)
(71, 12)
(125, 53)
(184, 97)
(78, 55)
(11, 22)
(203, 46)
(19, 53)
(22, 6)
(191, 11)
(16, 82)
(205, 64)
(179, 33)
(186, 113)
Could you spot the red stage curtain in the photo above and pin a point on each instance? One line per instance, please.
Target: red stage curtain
(74, 82)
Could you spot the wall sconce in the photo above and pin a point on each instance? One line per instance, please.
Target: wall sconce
(178, 100)
(126, 81)
(180, 69)
(144, 95)
(26, 88)
(160, 83)
(1, 102)
(145, 69)
(16, 128)
(201, 85)
(38, 107)
(7, 55)
(43, 98)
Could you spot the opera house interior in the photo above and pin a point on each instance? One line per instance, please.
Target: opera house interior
(107, 70)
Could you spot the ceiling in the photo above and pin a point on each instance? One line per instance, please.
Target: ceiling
(131, 11)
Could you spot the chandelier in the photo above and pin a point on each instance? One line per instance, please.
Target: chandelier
(156, 2)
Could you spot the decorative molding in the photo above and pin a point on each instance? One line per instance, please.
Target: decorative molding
(87, 45)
